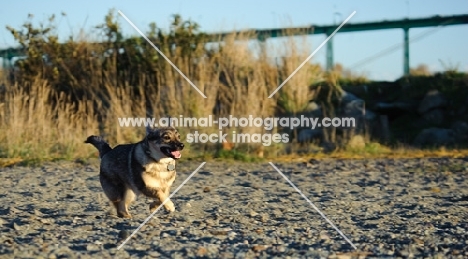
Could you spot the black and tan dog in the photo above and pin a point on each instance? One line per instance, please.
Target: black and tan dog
(146, 167)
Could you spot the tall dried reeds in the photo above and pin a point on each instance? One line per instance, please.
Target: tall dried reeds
(63, 92)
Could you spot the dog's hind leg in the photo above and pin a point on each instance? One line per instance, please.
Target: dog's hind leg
(116, 192)
(128, 197)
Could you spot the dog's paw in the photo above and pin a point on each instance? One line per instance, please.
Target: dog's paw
(125, 215)
(169, 206)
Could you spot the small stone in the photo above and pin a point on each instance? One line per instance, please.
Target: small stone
(38, 213)
(259, 248)
(16, 226)
(183, 218)
(418, 241)
(123, 234)
(281, 249)
(86, 228)
(206, 189)
(218, 232)
(202, 251)
(253, 213)
(46, 221)
(154, 254)
(324, 236)
(92, 247)
(76, 219)
(211, 222)
(343, 256)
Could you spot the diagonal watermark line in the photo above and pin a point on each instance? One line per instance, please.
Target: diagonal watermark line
(157, 209)
(313, 206)
(162, 54)
(313, 53)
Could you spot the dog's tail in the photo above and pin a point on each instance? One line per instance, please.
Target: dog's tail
(100, 144)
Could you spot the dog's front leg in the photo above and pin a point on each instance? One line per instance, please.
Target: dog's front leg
(163, 195)
(160, 195)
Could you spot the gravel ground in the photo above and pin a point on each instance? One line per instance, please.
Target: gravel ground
(387, 207)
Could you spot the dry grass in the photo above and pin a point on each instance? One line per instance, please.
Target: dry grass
(51, 107)
(33, 129)
(386, 153)
(296, 93)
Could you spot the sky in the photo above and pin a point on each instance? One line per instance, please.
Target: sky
(442, 48)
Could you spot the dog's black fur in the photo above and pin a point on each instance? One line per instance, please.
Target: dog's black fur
(146, 167)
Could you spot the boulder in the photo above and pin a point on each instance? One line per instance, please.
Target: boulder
(457, 134)
(463, 109)
(435, 137)
(348, 97)
(433, 100)
(355, 107)
(460, 129)
(435, 116)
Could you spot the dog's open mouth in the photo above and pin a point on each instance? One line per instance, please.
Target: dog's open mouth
(171, 153)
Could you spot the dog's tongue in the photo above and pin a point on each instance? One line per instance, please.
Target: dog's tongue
(176, 154)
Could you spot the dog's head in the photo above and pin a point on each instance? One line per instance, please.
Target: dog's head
(164, 140)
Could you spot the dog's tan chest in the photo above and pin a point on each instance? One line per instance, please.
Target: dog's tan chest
(157, 175)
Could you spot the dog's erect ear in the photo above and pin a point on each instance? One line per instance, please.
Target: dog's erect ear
(149, 129)
(152, 133)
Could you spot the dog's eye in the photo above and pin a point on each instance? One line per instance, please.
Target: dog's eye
(167, 137)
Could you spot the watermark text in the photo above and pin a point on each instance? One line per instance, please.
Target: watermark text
(267, 123)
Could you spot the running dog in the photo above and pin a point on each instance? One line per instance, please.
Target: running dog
(146, 167)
